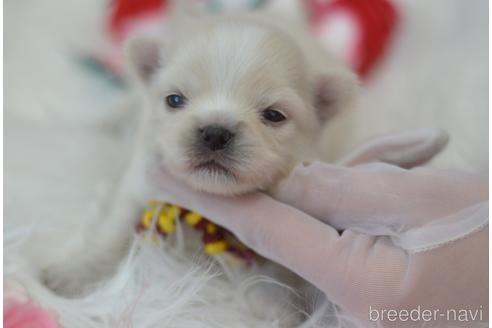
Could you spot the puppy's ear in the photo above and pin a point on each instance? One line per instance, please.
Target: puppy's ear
(333, 92)
(143, 55)
(406, 149)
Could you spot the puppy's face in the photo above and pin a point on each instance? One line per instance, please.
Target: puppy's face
(232, 105)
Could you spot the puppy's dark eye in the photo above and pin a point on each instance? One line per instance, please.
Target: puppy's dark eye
(272, 115)
(175, 101)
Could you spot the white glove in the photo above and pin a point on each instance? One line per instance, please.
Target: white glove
(419, 208)
(413, 239)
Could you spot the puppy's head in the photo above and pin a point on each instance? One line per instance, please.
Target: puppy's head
(234, 107)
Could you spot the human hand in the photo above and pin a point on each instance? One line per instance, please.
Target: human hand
(397, 250)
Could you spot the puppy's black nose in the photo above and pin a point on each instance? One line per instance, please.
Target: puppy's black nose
(215, 137)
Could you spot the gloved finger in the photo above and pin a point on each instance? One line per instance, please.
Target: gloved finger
(407, 149)
(379, 194)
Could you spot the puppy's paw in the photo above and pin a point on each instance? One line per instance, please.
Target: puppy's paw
(81, 272)
(69, 280)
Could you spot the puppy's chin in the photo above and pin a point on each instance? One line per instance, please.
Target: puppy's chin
(220, 180)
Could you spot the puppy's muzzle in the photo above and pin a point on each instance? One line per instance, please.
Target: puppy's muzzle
(215, 137)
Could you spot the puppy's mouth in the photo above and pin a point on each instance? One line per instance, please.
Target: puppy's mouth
(214, 167)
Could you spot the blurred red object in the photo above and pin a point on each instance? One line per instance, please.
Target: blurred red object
(359, 31)
(21, 312)
(375, 22)
(125, 12)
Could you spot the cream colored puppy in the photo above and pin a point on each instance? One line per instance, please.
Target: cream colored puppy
(230, 105)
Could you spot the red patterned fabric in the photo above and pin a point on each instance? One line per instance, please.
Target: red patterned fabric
(373, 20)
(125, 10)
(376, 21)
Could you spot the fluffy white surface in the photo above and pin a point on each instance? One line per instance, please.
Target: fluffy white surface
(61, 167)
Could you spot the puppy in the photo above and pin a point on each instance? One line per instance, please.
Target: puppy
(229, 105)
